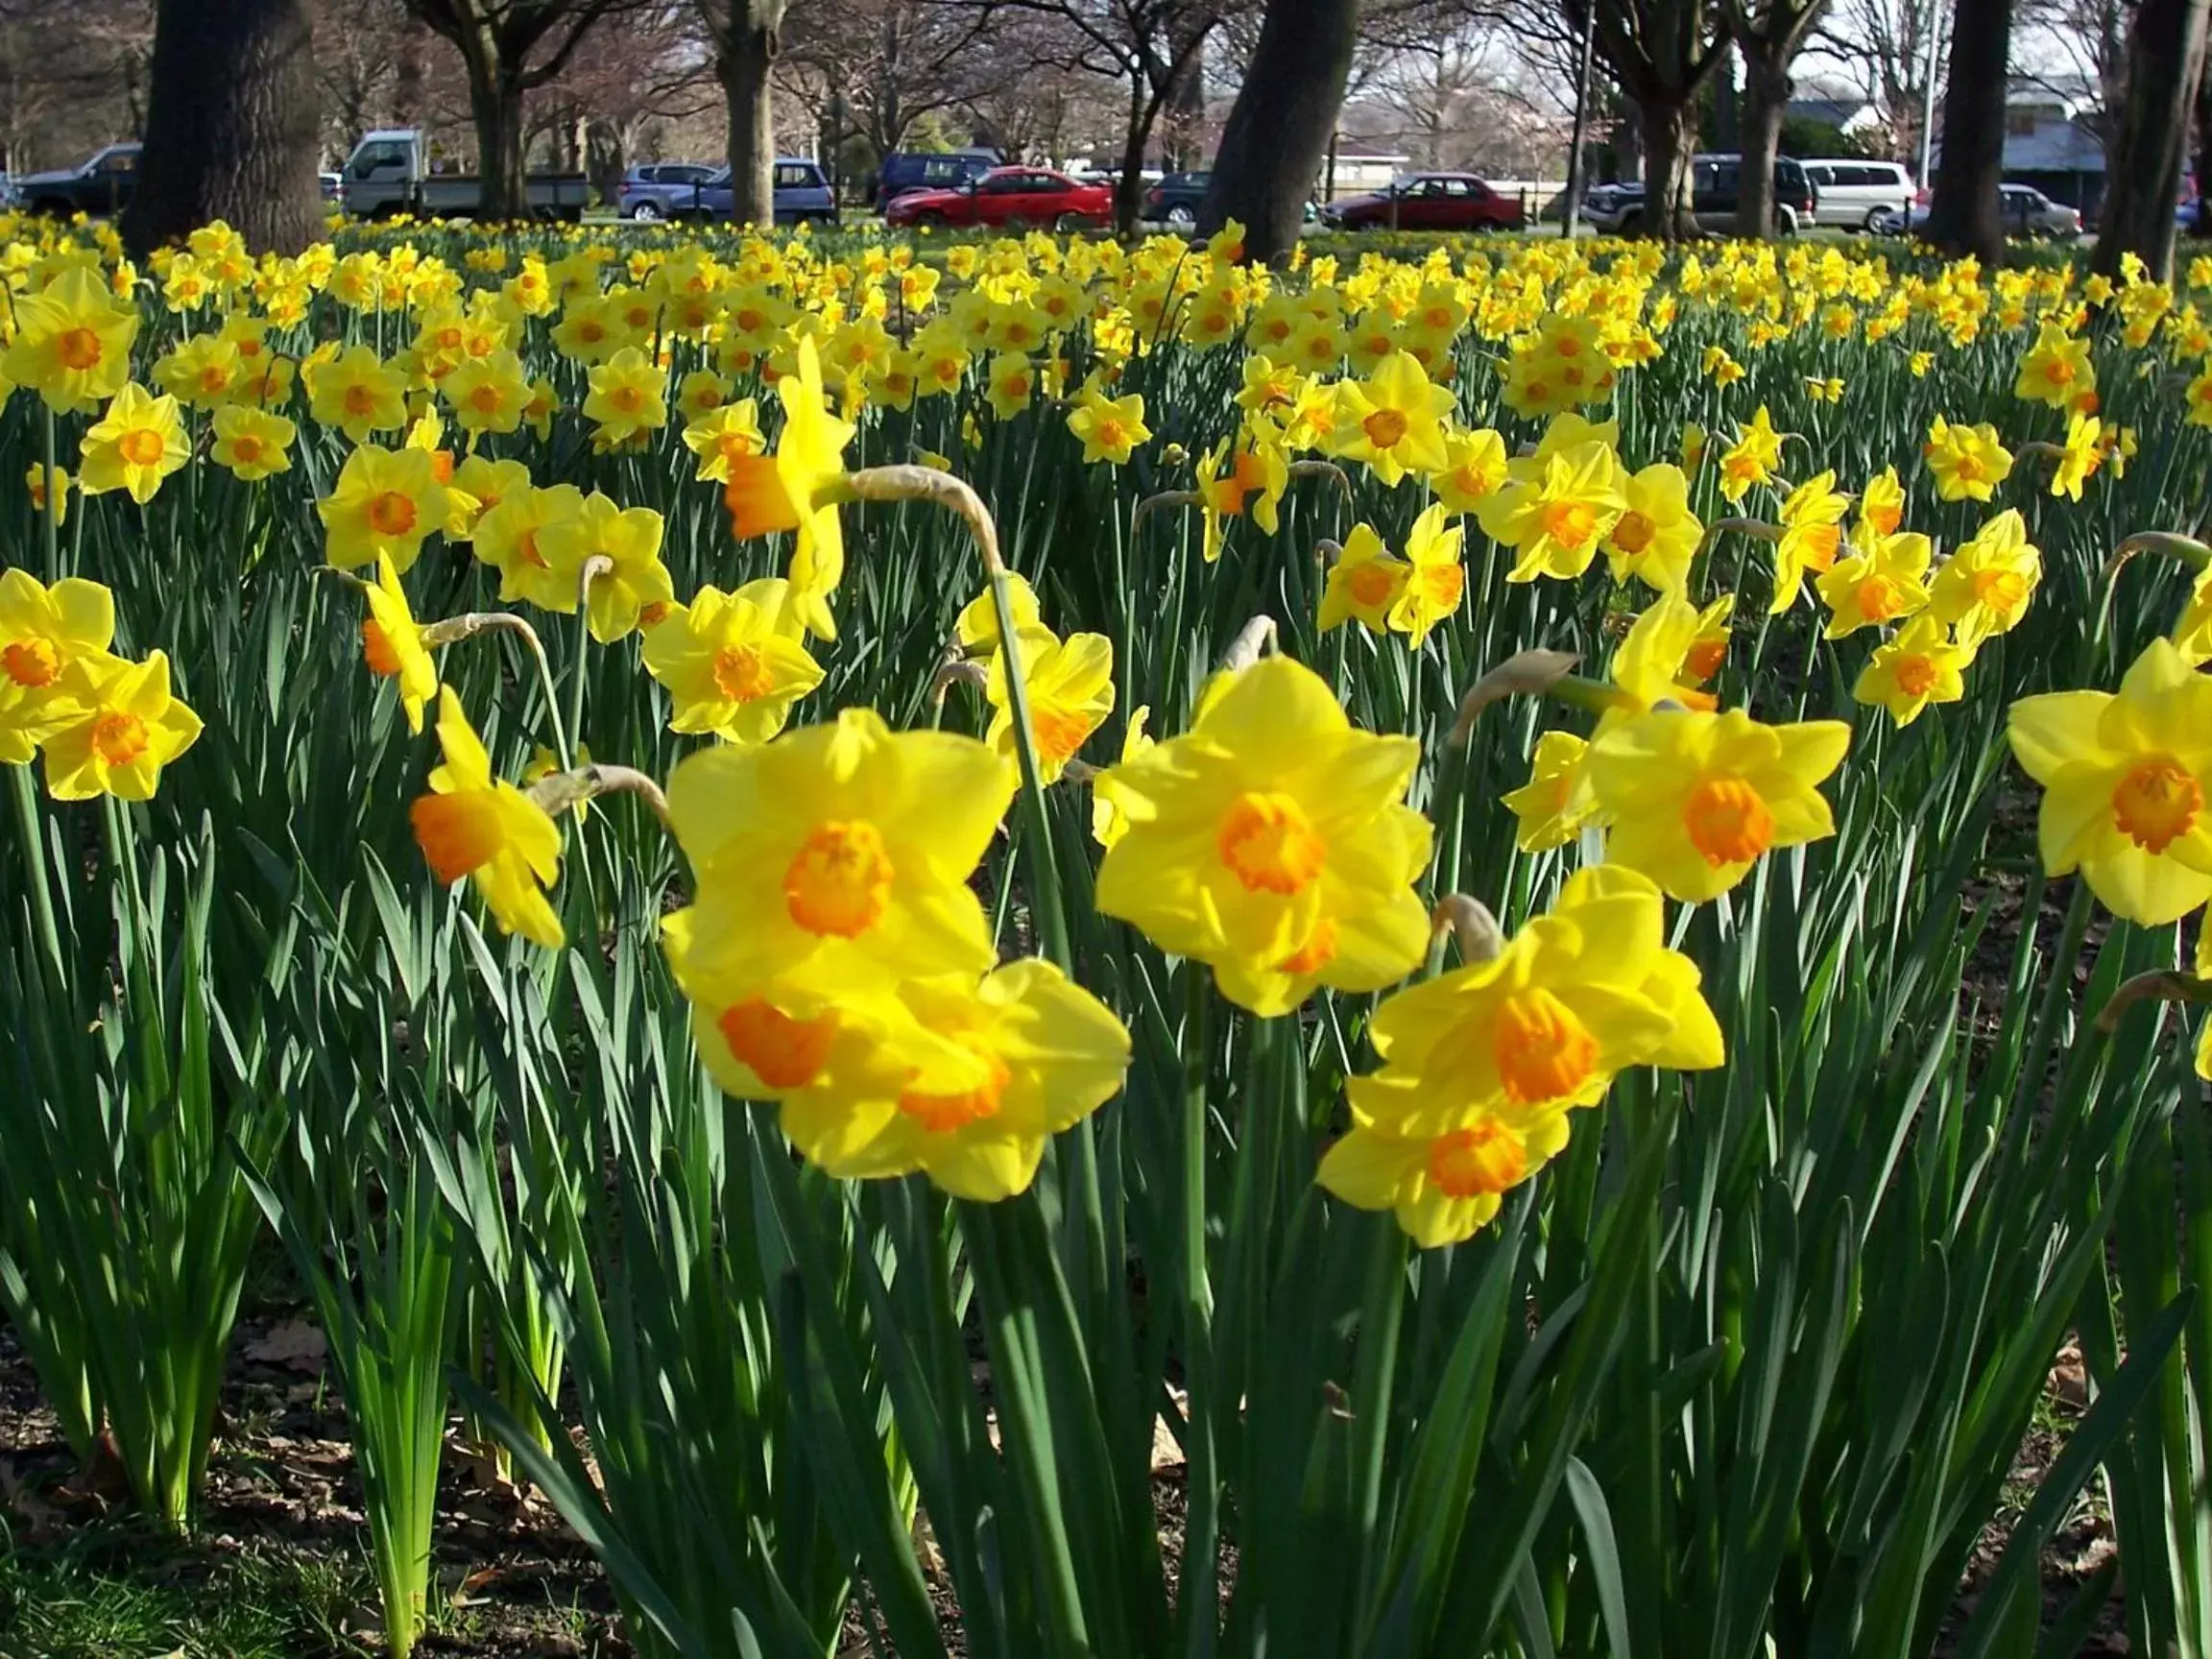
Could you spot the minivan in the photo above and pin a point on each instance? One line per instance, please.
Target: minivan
(907, 170)
(1857, 194)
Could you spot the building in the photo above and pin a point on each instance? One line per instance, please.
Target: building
(2052, 141)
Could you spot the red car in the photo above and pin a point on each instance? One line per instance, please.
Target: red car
(1428, 202)
(1010, 196)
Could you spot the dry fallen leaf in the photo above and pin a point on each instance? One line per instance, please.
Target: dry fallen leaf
(294, 1344)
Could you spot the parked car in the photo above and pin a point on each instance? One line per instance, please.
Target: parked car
(904, 171)
(1009, 195)
(101, 185)
(659, 189)
(801, 190)
(1603, 206)
(330, 183)
(1427, 202)
(1854, 194)
(1715, 189)
(2024, 209)
(390, 173)
(1175, 199)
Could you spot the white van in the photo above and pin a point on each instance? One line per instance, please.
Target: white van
(1855, 193)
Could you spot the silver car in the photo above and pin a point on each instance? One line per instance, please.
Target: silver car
(2024, 209)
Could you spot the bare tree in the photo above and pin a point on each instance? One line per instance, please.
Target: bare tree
(509, 47)
(1964, 215)
(1279, 127)
(1882, 48)
(230, 126)
(1770, 34)
(870, 70)
(2143, 161)
(73, 77)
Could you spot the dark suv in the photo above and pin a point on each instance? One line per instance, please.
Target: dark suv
(101, 185)
(906, 171)
(1716, 185)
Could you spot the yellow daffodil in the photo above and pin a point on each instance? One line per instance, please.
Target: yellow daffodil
(1811, 531)
(2193, 633)
(125, 727)
(1876, 585)
(475, 825)
(1967, 461)
(386, 502)
(629, 540)
(1272, 843)
(960, 1080)
(1482, 1066)
(1922, 664)
(1881, 507)
(794, 491)
(1752, 458)
(1986, 587)
(507, 538)
(358, 393)
(2125, 777)
(392, 644)
(833, 863)
(1109, 821)
(2057, 368)
(2080, 456)
(1550, 808)
(1694, 798)
(135, 444)
(1069, 684)
(252, 443)
(1364, 583)
(1472, 472)
(1108, 428)
(629, 398)
(1657, 537)
(1237, 481)
(37, 480)
(722, 436)
(732, 662)
(488, 394)
(43, 633)
(1555, 510)
(1437, 582)
(1393, 421)
(71, 342)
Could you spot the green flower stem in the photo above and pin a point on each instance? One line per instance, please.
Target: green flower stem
(51, 517)
(1201, 1523)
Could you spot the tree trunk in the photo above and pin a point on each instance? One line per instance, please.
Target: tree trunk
(1278, 129)
(1965, 216)
(1129, 187)
(231, 126)
(2204, 146)
(1766, 101)
(747, 54)
(496, 98)
(1668, 133)
(1187, 103)
(2165, 62)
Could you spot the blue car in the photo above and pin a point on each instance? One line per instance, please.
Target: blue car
(803, 195)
